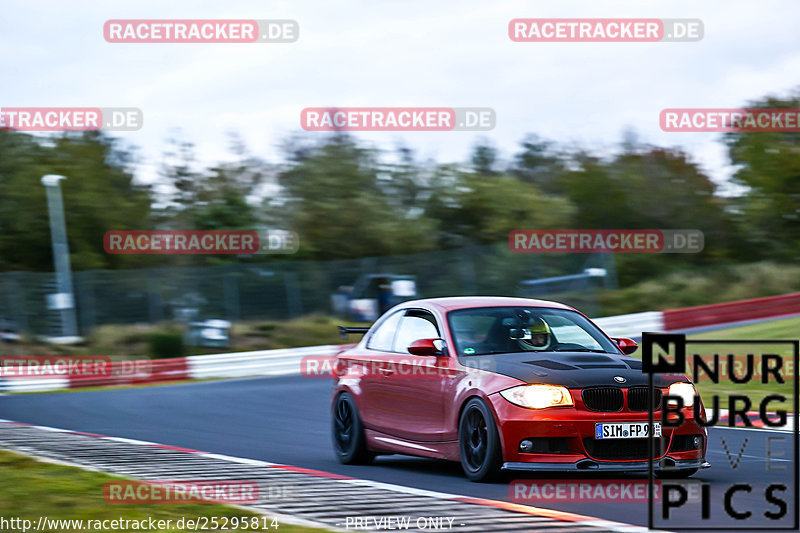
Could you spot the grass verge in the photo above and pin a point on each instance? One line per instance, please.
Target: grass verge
(30, 489)
(755, 389)
(121, 342)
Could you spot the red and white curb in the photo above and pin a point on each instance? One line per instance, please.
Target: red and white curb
(319, 499)
(756, 422)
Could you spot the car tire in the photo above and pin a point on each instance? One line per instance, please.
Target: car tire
(347, 431)
(478, 442)
(676, 474)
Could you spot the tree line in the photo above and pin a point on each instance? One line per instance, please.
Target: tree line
(347, 199)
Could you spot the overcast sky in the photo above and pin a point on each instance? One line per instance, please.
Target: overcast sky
(400, 53)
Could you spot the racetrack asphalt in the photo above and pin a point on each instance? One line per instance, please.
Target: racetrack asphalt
(286, 420)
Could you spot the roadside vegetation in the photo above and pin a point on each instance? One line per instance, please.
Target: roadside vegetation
(137, 341)
(347, 199)
(351, 203)
(693, 286)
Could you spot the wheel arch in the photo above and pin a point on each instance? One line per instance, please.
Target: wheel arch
(489, 405)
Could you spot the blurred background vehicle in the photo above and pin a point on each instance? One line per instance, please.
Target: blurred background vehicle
(9, 331)
(372, 295)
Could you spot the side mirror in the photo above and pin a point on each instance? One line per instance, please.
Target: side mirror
(628, 346)
(427, 347)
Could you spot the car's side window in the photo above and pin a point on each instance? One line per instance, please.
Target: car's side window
(415, 325)
(382, 338)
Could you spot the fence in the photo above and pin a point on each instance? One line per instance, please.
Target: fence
(278, 288)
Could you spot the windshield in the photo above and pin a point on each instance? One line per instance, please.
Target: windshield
(496, 330)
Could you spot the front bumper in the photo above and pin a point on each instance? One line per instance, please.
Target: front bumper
(570, 444)
(589, 465)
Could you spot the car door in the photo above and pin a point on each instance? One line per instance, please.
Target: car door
(371, 364)
(412, 391)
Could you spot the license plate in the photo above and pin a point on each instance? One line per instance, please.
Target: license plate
(626, 430)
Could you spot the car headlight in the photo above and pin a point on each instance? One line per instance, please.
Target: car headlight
(686, 391)
(538, 396)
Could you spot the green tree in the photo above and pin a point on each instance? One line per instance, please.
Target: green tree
(100, 194)
(768, 168)
(474, 210)
(217, 198)
(334, 195)
(642, 187)
(538, 163)
(484, 159)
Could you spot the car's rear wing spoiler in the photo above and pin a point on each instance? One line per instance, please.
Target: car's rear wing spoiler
(344, 331)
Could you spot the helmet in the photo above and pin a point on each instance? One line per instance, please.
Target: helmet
(538, 335)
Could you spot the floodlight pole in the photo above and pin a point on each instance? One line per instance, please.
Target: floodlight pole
(65, 298)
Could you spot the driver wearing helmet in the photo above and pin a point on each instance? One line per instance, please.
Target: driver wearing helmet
(538, 336)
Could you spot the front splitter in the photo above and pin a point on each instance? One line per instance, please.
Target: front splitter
(589, 465)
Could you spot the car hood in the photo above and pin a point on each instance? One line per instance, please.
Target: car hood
(570, 369)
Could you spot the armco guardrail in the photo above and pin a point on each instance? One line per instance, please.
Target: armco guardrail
(225, 365)
(260, 363)
(136, 373)
(709, 315)
(33, 384)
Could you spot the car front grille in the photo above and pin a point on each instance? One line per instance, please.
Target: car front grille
(620, 449)
(605, 399)
(637, 398)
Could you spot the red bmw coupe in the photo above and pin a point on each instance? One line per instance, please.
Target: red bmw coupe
(506, 383)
